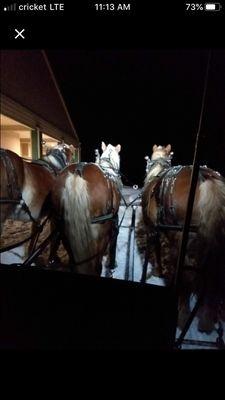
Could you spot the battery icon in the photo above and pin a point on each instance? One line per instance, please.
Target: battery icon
(212, 6)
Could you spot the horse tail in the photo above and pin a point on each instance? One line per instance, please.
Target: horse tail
(212, 210)
(77, 220)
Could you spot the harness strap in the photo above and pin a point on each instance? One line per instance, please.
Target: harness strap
(110, 165)
(5, 200)
(25, 207)
(46, 164)
(164, 192)
(164, 162)
(164, 227)
(111, 215)
(102, 218)
(79, 168)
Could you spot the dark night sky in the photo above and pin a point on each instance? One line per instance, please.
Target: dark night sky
(141, 97)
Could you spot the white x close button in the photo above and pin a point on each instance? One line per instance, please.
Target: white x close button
(19, 34)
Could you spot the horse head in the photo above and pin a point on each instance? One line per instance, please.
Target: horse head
(160, 159)
(110, 157)
(161, 152)
(61, 155)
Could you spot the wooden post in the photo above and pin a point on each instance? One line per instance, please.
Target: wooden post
(40, 145)
(78, 154)
(36, 150)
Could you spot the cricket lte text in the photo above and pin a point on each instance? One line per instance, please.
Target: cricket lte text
(41, 7)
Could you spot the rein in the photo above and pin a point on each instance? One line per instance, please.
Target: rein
(39, 229)
(165, 162)
(44, 163)
(20, 203)
(116, 170)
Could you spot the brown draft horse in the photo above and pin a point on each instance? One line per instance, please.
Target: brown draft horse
(26, 185)
(164, 202)
(86, 199)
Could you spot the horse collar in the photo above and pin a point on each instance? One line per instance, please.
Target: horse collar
(164, 162)
(60, 157)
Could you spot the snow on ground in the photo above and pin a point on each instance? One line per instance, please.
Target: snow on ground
(14, 256)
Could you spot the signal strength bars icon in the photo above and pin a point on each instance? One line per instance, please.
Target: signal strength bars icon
(11, 7)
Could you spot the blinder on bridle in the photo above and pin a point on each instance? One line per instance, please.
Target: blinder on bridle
(165, 162)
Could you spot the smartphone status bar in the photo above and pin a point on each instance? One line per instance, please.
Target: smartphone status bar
(34, 8)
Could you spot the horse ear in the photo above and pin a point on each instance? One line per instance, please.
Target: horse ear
(118, 148)
(154, 147)
(103, 146)
(168, 148)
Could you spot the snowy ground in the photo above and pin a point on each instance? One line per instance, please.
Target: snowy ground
(13, 256)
